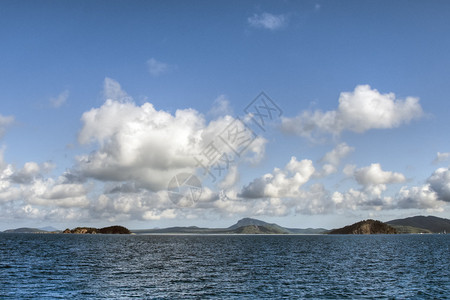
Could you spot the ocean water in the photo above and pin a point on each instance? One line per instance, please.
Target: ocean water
(47, 266)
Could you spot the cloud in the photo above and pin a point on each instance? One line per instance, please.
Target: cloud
(5, 121)
(432, 196)
(358, 111)
(421, 197)
(332, 160)
(268, 21)
(441, 157)
(281, 183)
(113, 91)
(156, 68)
(148, 146)
(221, 107)
(60, 99)
(335, 156)
(439, 182)
(373, 175)
(27, 174)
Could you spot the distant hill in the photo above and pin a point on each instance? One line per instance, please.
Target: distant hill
(24, 230)
(243, 226)
(431, 223)
(366, 227)
(254, 222)
(409, 229)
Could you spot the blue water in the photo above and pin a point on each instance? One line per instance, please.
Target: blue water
(198, 267)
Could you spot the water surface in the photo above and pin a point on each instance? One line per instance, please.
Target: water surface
(232, 266)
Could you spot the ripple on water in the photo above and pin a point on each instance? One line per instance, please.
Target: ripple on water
(111, 266)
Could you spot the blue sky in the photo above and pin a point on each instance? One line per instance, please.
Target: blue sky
(103, 102)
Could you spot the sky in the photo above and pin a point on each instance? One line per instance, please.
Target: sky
(302, 113)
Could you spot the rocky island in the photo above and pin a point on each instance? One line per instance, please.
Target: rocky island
(366, 227)
(105, 230)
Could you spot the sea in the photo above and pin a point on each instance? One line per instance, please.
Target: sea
(60, 266)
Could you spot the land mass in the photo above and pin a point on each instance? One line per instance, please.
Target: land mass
(26, 230)
(417, 224)
(243, 226)
(106, 230)
(366, 227)
(421, 224)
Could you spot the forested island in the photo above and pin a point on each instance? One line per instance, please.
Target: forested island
(366, 227)
(104, 230)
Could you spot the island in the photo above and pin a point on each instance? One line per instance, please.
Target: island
(105, 230)
(366, 227)
(410, 225)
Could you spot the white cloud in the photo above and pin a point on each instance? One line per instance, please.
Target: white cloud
(157, 68)
(358, 111)
(373, 175)
(59, 100)
(441, 157)
(422, 197)
(439, 182)
(268, 21)
(50, 193)
(431, 196)
(332, 160)
(284, 183)
(147, 146)
(26, 175)
(335, 156)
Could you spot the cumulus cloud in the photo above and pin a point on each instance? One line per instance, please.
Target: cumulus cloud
(149, 146)
(156, 68)
(281, 183)
(358, 111)
(441, 157)
(268, 21)
(419, 197)
(28, 187)
(373, 174)
(26, 175)
(59, 100)
(432, 196)
(439, 182)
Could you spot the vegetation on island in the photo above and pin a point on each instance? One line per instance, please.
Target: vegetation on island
(106, 230)
(366, 227)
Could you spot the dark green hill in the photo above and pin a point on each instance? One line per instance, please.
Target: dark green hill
(431, 223)
(105, 230)
(366, 227)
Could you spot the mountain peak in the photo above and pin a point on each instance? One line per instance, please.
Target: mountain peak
(249, 222)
